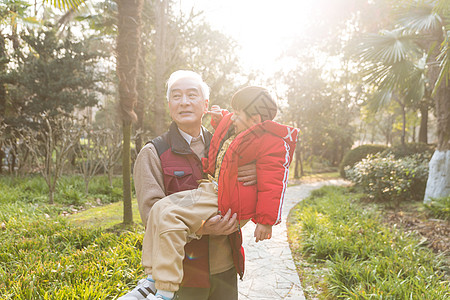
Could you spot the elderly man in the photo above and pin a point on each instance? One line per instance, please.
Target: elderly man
(171, 163)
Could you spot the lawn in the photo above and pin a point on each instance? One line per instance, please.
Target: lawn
(77, 249)
(344, 249)
(74, 249)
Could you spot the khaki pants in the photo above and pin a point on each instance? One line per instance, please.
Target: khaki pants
(172, 222)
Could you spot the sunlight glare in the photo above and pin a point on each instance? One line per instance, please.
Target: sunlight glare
(262, 28)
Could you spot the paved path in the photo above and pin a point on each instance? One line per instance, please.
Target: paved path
(270, 271)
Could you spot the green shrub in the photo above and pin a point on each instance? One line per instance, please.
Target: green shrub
(69, 194)
(439, 208)
(363, 258)
(391, 180)
(27, 189)
(100, 188)
(400, 151)
(357, 154)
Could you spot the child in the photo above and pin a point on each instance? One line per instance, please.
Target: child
(248, 135)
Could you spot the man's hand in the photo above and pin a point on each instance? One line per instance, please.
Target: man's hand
(247, 174)
(219, 225)
(262, 232)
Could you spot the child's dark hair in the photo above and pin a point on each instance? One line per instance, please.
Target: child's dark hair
(255, 100)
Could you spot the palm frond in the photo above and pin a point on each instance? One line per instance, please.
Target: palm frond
(442, 6)
(421, 18)
(444, 63)
(380, 99)
(66, 4)
(388, 47)
(415, 83)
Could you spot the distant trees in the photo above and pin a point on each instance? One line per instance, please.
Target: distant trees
(410, 64)
(47, 78)
(322, 113)
(50, 147)
(170, 41)
(47, 72)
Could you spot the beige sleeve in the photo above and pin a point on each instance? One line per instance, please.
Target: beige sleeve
(148, 180)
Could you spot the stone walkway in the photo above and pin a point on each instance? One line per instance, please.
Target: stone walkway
(270, 271)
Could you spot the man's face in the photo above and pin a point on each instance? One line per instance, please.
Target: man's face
(186, 103)
(242, 121)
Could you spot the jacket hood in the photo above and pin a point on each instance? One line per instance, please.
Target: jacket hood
(288, 133)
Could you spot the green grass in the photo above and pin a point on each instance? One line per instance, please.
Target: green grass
(44, 255)
(50, 258)
(341, 249)
(439, 208)
(104, 216)
(69, 190)
(357, 256)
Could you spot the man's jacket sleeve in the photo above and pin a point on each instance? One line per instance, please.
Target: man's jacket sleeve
(148, 180)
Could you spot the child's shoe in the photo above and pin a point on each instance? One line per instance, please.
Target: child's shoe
(158, 297)
(144, 288)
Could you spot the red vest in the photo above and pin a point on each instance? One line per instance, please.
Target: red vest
(182, 169)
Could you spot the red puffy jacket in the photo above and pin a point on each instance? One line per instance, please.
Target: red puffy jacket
(271, 146)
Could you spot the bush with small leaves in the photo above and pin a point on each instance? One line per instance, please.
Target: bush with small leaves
(357, 154)
(391, 180)
(400, 151)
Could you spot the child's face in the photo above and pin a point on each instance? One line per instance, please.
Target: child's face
(242, 121)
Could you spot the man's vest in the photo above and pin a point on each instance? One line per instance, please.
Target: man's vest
(181, 170)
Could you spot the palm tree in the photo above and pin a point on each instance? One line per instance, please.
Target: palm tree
(128, 45)
(128, 49)
(393, 64)
(424, 28)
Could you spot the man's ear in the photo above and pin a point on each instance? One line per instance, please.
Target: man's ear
(206, 106)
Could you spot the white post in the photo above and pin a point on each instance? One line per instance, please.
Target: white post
(438, 184)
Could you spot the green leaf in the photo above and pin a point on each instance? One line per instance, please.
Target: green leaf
(66, 4)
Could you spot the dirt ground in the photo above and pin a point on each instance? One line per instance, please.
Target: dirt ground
(434, 233)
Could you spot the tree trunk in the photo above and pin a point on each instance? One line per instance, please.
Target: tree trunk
(141, 99)
(12, 163)
(423, 130)
(110, 176)
(51, 192)
(86, 187)
(2, 156)
(297, 163)
(438, 183)
(126, 172)
(160, 101)
(403, 125)
(442, 99)
(128, 44)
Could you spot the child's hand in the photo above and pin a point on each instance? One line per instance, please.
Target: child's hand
(216, 113)
(262, 232)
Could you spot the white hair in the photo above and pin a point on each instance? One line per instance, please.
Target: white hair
(180, 74)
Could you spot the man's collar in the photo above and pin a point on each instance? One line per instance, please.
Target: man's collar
(188, 137)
